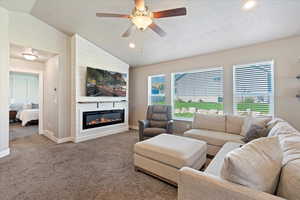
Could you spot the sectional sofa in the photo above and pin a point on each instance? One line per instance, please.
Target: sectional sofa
(223, 135)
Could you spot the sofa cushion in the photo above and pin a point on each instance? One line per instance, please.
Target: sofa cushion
(289, 184)
(250, 121)
(234, 124)
(216, 164)
(282, 128)
(150, 132)
(213, 137)
(256, 165)
(209, 122)
(172, 150)
(290, 145)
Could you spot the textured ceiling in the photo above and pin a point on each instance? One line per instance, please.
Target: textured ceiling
(210, 25)
(18, 5)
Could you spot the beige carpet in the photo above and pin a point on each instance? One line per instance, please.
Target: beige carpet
(16, 130)
(100, 169)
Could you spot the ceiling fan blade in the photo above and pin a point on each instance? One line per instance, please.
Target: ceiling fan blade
(157, 30)
(170, 13)
(111, 15)
(129, 31)
(140, 4)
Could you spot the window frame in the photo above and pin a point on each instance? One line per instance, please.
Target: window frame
(272, 104)
(173, 88)
(150, 87)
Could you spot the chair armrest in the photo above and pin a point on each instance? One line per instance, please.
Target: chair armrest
(142, 125)
(195, 185)
(170, 126)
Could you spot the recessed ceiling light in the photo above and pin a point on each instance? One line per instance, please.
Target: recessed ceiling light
(249, 4)
(132, 45)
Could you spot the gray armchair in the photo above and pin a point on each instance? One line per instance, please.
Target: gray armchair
(159, 120)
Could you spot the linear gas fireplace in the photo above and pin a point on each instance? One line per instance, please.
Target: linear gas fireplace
(96, 119)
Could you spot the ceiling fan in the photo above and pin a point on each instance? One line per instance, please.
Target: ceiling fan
(142, 18)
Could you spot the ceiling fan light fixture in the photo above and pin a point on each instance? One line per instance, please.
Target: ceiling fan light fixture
(142, 22)
(29, 54)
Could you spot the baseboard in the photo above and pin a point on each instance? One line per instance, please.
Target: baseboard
(4, 153)
(134, 127)
(100, 134)
(50, 135)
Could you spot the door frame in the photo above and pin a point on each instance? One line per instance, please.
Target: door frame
(41, 93)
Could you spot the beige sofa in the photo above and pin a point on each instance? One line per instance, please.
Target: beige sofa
(216, 130)
(195, 185)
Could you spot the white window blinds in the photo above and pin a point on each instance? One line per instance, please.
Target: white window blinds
(200, 91)
(253, 89)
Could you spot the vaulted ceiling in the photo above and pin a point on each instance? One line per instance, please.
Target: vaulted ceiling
(210, 25)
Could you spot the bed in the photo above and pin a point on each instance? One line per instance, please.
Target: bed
(28, 115)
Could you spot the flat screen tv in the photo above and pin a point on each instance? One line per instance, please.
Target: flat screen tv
(102, 83)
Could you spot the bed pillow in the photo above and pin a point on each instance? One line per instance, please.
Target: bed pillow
(27, 106)
(255, 165)
(35, 106)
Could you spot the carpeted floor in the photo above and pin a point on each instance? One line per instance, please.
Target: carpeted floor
(16, 130)
(100, 169)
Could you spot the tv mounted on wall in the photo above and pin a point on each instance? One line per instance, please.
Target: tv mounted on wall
(103, 83)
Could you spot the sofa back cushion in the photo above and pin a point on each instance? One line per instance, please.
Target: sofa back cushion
(234, 124)
(289, 185)
(282, 128)
(159, 115)
(209, 122)
(256, 165)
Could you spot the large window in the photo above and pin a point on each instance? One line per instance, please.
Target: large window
(156, 90)
(200, 91)
(253, 89)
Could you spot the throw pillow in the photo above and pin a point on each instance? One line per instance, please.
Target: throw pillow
(255, 132)
(272, 123)
(290, 145)
(249, 121)
(282, 128)
(255, 165)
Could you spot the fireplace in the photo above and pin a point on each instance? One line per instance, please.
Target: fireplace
(102, 118)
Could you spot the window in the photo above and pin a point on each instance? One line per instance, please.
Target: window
(253, 89)
(200, 92)
(156, 90)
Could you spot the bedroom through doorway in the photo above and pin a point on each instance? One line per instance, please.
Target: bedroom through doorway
(24, 105)
(32, 86)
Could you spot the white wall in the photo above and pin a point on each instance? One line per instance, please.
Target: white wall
(24, 88)
(86, 54)
(17, 64)
(4, 82)
(28, 31)
(285, 53)
(51, 114)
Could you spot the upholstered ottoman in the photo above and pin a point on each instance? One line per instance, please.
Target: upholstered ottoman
(163, 156)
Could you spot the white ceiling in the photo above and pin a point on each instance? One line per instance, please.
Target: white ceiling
(16, 51)
(210, 25)
(18, 5)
